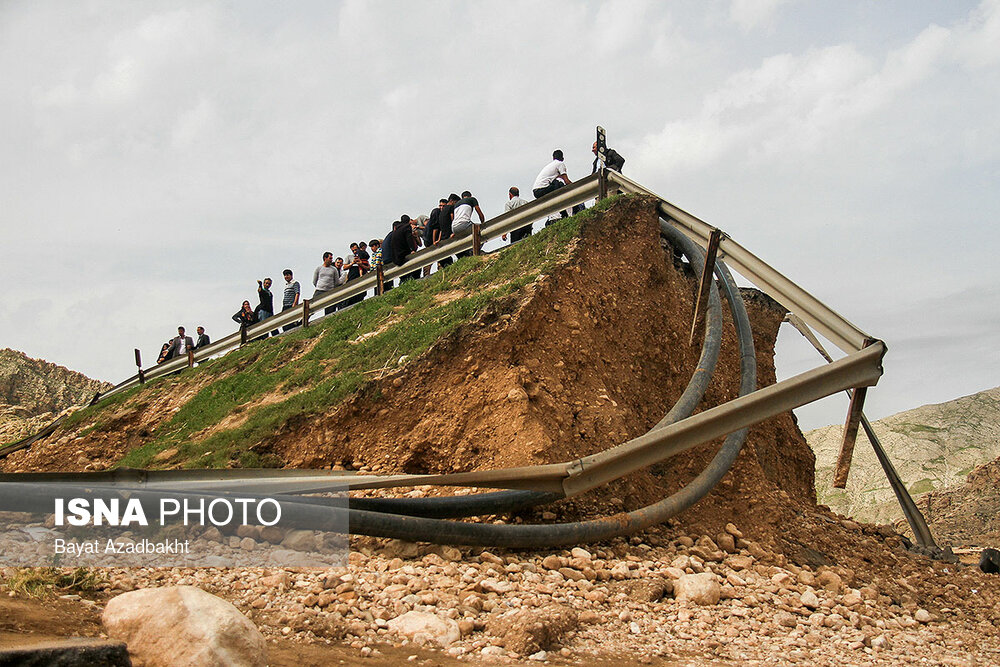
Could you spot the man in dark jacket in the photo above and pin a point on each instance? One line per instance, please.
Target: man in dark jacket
(612, 160)
(203, 340)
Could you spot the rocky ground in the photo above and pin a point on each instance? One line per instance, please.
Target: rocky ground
(657, 599)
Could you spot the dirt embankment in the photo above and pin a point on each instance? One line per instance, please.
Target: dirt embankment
(578, 361)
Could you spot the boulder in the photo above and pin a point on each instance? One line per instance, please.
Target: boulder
(702, 588)
(183, 625)
(421, 627)
(531, 630)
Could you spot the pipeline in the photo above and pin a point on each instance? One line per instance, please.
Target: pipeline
(503, 502)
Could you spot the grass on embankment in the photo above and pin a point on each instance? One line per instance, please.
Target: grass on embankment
(409, 319)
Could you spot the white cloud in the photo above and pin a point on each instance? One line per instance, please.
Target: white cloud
(750, 14)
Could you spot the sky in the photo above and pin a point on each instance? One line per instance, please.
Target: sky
(160, 157)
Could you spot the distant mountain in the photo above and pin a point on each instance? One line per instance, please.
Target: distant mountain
(932, 447)
(33, 392)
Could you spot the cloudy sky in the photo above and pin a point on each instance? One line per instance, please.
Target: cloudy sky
(159, 157)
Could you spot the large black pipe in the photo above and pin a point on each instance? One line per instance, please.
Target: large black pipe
(503, 502)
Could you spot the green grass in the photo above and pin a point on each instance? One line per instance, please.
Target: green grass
(333, 368)
(45, 582)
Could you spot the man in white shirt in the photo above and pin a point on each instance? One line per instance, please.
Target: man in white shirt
(513, 201)
(552, 177)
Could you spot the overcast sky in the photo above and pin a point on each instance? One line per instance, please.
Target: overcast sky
(159, 157)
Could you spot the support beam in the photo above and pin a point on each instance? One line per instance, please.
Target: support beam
(305, 313)
(850, 437)
(380, 285)
(706, 282)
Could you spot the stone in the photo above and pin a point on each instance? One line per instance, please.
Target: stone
(517, 395)
(166, 455)
(923, 616)
(421, 625)
(528, 631)
(830, 581)
(740, 562)
(642, 590)
(494, 586)
(583, 554)
(785, 619)
(726, 542)
(552, 562)
(300, 540)
(183, 625)
(809, 599)
(702, 588)
(734, 531)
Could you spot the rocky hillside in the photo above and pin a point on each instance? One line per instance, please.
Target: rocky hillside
(933, 447)
(33, 392)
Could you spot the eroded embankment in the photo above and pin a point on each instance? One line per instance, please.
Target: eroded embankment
(586, 355)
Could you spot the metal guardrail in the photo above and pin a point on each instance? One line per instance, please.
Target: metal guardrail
(814, 312)
(563, 198)
(862, 367)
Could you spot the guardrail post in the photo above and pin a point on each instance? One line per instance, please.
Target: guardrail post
(706, 281)
(97, 396)
(190, 358)
(305, 313)
(477, 240)
(602, 183)
(243, 333)
(380, 285)
(854, 416)
(138, 364)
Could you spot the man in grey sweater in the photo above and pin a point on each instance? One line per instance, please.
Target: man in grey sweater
(327, 276)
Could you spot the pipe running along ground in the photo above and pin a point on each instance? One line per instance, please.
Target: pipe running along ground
(503, 502)
(421, 529)
(319, 514)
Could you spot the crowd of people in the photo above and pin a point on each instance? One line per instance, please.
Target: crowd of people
(451, 218)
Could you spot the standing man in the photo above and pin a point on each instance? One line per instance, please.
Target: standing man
(376, 247)
(402, 243)
(203, 340)
(513, 201)
(181, 345)
(444, 226)
(433, 227)
(265, 308)
(290, 297)
(326, 277)
(462, 222)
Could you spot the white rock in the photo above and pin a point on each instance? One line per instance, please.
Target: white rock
(702, 588)
(809, 599)
(183, 625)
(444, 631)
